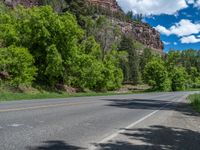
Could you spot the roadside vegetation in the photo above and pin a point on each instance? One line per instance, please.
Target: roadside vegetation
(195, 101)
(71, 52)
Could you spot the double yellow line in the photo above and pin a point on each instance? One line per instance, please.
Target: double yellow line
(42, 106)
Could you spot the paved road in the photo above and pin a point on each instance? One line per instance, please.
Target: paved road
(77, 123)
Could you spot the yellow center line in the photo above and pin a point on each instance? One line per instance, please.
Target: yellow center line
(42, 106)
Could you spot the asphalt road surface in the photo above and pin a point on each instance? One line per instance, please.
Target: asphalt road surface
(89, 122)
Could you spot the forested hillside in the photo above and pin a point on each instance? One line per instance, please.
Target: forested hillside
(87, 47)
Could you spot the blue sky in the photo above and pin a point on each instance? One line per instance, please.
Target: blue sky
(178, 21)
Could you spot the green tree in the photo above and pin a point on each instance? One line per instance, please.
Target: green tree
(179, 78)
(54, 68)
(106, 34)
(145, 57)
(62, 52)
(132, 69)
(40, 27)
(172, 60)
(156, 74)
(18, 63)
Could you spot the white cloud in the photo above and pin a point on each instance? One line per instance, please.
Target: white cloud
(166, 43)
(190, 1)
(175, 43)
(183, 28)
(190, 39)
(163, 30)
(197, 4)
(155, 7)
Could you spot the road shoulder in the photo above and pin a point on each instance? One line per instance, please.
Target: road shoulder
(175, 127)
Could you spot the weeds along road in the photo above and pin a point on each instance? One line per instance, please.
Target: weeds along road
(136, 121)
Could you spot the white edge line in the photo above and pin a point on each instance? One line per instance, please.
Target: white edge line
(93, 147)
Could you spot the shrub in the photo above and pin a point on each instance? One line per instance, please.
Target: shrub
(156, 75)
(179, 78)
(195, 101)
(18, 63)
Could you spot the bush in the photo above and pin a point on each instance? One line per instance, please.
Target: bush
(18, 63)
(195, 101)
(179, 78)
(156, 75)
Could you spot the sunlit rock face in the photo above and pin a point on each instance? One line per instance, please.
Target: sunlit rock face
(27, 3)
(110, 4)
(142, 32)
(147, 35)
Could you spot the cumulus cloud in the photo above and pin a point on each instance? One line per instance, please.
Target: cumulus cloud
(153, 7)
(190, 39)
(183, 28)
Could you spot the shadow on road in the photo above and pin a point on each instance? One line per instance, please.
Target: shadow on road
(156, 138)
(149, 104)
(55, 145)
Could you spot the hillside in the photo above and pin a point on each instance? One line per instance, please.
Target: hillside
(75, 46)
(141, 32)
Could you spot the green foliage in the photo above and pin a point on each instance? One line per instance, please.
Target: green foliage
(132, 68)
(156, 74)
(61, 52)
(54, 68)
(134, 17)
(195, 101)
(91, 47)
(18, 63)
(106, 34)
(112, 72)
(179, 78)
(48, 36)
(183, 68)
(79, 49)
(145, 57)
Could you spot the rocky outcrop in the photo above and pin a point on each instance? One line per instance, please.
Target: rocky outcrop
(143, 33)
(147, 35)
(26, 3)
(109, 4)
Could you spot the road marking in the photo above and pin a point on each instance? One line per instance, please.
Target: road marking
(112, 136)
(15, 125)
(43, 106)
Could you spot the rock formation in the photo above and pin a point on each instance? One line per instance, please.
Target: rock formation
(110, 4)
(27, 3)
(147, 35)
(142, 32)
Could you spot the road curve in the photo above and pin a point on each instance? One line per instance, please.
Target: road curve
(76, 123)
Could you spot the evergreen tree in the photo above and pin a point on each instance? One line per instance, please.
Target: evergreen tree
(132, 69)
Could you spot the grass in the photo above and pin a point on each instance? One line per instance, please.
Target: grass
(9, 93)
(195, 101)
(9, 96)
